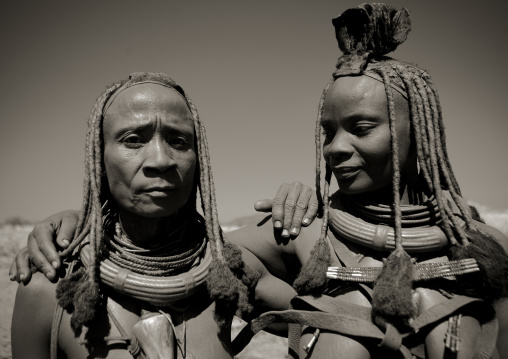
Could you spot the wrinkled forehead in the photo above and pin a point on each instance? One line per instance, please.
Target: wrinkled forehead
(147, 96)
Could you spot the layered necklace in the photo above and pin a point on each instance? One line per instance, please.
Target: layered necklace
(162, 275)
(371, 225)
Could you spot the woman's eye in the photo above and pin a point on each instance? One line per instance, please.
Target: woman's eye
(327, 133)
(362, 130)
(179, 142)
(133, 140)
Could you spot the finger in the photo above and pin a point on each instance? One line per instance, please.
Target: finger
(300, 209)
(13, 272)
(290, 207)
(416, 300)
(43, 235)
(68, 221)
(312, 210)
(22, 266)
(278, 206)
(263, 205)
(38, 258)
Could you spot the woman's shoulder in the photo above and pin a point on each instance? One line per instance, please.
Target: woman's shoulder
(38, 295)
(32, 318)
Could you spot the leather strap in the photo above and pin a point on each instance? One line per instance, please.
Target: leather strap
(55, 329)
(57, 321)
(354, 320)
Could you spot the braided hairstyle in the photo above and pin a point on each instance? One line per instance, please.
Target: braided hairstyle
(365, 35)
(229, 281)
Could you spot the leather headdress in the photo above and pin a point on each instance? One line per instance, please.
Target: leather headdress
(367, 33)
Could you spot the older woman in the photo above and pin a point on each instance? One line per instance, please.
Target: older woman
(137, 265)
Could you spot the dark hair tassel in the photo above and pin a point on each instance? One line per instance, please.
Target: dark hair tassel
(312, 278)
(79, 295)
(392, 296)
(66, 289)
(491, 282)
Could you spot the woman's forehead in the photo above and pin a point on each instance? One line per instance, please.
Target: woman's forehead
(146, 105)
(351, 95)
(357, 88)
(149, 97)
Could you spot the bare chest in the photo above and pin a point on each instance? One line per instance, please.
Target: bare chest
(189, 331)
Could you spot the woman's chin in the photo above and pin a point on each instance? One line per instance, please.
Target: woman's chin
(352, 188)
(154, 212)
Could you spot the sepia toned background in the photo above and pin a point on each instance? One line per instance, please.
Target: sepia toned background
(255, 70)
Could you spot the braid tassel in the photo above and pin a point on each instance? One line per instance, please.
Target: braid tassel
(491, 282)
(312, 277)
(79, 295)
(230, 283)
(392, 295)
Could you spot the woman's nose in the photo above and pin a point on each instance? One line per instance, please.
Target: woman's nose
(159, 156)
(339, 146)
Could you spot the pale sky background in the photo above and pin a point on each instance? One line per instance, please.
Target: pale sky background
(254, 69)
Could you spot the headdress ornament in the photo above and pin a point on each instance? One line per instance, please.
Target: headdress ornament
(366, 32)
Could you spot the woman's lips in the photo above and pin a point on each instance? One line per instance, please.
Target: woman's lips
(159, 191)
(346, 172)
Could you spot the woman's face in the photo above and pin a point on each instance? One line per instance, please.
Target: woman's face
(356, 127)
(149, 153)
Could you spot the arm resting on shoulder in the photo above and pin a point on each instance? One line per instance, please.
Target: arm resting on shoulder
(282, 257)
(271, 293)
(56, 230)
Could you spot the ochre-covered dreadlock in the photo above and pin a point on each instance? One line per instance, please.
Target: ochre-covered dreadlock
(228, 281)
(365, 35)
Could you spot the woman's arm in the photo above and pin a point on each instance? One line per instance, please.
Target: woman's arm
(32, 319)
(282, 257)
(271, 293)
(41, 249)
(295, 205)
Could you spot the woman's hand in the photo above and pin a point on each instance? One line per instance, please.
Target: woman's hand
(295, 205)
(41, 250)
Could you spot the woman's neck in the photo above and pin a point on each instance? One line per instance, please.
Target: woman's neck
(147, 232)
(411, 191)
